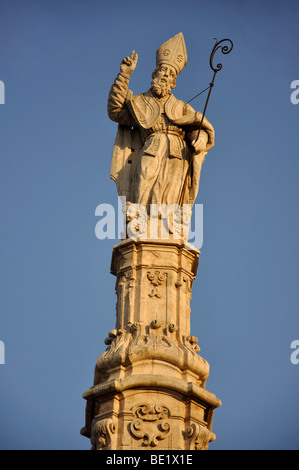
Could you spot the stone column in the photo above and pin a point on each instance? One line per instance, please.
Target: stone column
(149, 385)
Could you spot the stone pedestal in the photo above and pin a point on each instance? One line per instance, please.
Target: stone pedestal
(149, 385)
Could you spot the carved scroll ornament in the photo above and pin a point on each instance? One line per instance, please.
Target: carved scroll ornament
(150, 424)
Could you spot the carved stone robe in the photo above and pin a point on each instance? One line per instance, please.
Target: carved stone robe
(153, 161)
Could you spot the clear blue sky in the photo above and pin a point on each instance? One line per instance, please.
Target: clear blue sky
(58, 60)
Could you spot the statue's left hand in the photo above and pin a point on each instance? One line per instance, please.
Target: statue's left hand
(199, 142)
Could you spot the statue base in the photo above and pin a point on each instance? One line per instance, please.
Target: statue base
(149, 385)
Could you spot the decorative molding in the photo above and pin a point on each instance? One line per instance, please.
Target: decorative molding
(199, 436)
(124, 289)
(102, 433)
(155, 324)
(190, 343)
(135, 326)
(150, 424)
(172, 327)
(187, 281)
(114, 337)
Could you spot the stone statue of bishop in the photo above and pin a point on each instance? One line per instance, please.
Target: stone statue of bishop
(158, 151)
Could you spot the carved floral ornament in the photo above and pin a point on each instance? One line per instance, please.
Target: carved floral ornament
(157, 279)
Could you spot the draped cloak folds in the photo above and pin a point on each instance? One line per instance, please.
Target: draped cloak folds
(139, 136)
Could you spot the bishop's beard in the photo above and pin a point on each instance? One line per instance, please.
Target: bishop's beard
(160, 87)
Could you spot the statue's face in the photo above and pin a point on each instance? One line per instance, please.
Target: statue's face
(167, 73)
(164, 79)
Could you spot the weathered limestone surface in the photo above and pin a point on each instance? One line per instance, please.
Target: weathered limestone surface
(149, 385)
